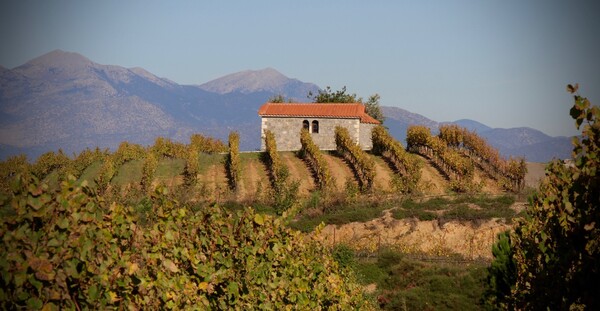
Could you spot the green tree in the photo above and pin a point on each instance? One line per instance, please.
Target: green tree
(330, 96)
(557, 246)
(279, 98)
(502, 272)
(373, 108)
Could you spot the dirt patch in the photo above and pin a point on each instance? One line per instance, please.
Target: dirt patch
(214, 180)
(383, 175)
(298, 172)
(253, 174)
(490, 186)
(432, 182)
(340, 172)
(414, 236)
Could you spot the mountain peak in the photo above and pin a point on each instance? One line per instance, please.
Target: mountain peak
(59, 58)
(264, 80)
(247, 81)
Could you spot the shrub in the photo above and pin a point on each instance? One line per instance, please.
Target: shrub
(73, 250)
(557, 245)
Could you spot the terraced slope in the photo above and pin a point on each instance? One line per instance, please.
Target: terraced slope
(212, 179)
(298, 172)
(432, 182)
(340, 172)
(383, 175)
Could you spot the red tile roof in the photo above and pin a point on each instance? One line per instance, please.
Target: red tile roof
(343, 111)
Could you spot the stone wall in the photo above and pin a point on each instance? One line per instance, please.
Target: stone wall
(287, 132)
(365, 137)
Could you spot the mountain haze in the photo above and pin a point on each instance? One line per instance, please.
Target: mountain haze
(64, 100)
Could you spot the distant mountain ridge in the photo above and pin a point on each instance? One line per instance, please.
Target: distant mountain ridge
(64, 100)
(265, 80)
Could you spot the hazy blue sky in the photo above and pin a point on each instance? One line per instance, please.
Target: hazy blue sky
(503, 63)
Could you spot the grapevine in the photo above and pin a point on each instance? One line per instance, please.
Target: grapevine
(313, 157)
(457, 168)
(71, 249)
(510, 174)
(362, 165)
(232, 164)
(403, 163)
(285, 192)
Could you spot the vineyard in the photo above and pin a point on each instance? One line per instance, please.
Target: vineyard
(163, 226)
(210, 170)
(440, 224)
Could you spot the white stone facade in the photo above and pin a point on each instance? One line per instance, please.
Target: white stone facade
(287, 131)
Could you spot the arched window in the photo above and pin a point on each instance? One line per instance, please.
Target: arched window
(315, 126)
(305, 125)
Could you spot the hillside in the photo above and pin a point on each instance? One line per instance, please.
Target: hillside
(62, 100)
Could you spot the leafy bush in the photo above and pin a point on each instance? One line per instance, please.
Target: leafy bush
(557, 245)
(73, 250)
(344, 255)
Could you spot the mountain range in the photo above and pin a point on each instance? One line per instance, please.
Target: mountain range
(64, 100)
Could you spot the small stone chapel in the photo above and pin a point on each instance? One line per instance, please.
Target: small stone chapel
(286, 120)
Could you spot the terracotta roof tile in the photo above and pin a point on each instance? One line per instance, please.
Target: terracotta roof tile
(329, 110)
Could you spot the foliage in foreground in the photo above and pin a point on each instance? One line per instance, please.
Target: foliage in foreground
(557, 247)
(71, 249)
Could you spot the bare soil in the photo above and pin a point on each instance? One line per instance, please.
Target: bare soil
(253, 173)
(340, 172)
(383, 175)
(298, 172)
(432, 182)
(214, 180)
(414, 236)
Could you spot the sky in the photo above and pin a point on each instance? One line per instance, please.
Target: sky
(503, 63)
